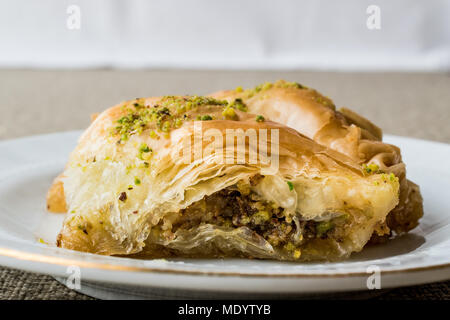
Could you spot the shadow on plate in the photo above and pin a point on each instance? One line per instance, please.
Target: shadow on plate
(402, 245)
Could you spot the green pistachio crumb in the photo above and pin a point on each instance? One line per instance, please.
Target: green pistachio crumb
(144, 148)
(260, 217)
(291, 185)
(153, 134)
(392, 177)
(260, 118)
(206, 117)
(238, 104)
(229, 113)
(323, 227)
(178, 122)
(371, 168)
(167, 113)
(249, 93)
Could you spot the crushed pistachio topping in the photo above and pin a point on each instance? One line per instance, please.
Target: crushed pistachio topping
(260, 118)
(153, 135)
(204, 118)
(268, 85)
(291, 185)
(238, 104)
(392, 177)
(144, 148)
(371, 168)
(323, 101)
(229, 113)
(168, 113)
(389, 177)
(82, 228)
(144, 152)
(323, 227)
(137, 181)
(260, 217)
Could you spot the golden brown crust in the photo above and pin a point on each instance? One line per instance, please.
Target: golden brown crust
(315, 116)
(103, 165)
(94, 116)
(345, 131)
(343, 142)
(369, 130)
(56, 201)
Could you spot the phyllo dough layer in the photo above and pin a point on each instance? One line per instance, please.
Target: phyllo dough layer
(343, 130)
(128, 190)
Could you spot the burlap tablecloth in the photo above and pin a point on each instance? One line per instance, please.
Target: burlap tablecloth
(34, 102)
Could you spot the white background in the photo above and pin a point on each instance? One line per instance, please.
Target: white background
(237, 34)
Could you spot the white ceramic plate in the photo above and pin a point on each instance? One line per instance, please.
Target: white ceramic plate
(27, 167)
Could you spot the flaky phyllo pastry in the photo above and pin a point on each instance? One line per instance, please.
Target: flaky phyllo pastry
(217, 177)
(316, 117)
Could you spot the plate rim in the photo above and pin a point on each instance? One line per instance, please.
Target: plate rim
(61, 261)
